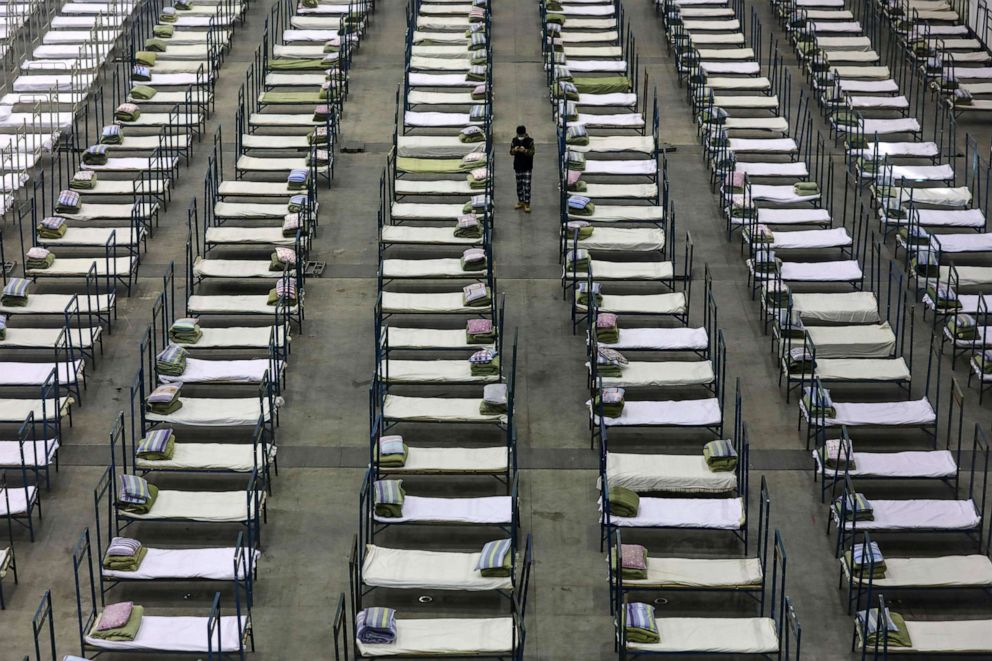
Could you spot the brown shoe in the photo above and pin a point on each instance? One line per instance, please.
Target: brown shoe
(526, 208)
(519, 205)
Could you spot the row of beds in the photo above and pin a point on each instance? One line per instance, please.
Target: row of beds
(829, 337)
(632, 300)
(455, 422)
(935, 209)
(229, 375)
(62, 312)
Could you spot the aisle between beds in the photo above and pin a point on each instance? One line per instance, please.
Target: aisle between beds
(8, 559)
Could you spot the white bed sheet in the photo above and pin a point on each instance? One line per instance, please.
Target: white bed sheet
(901, 413)
(666, 472)
(440, 637)
(215, 412)
(215, 564)
(413, 569)
(708, 513)
(682, 413)
(223, 371)
(695, 635)
(175, 634)
(487, 510)
(202, 506)
(918, 513)
(934, 464)
(436, 409)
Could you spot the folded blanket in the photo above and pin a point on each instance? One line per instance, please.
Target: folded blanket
(143, 92)
(943, 297)
(155, 45)
(476, 295)
(67, 202)
(157, 445)
(610, 362)
(125, 563)
(806, 188)
(480, 331)
(559, 19)
(856, 505)
(610, 401)
(468, 227)
(478, 178)
(720, 456)
(3, 327)
(126, 632)
(141, 73)
(585, 293)
(623, 502)
(183, 5)
(494, 399)
(583, 227)
(185, 331)
(15, 292)
(110, 135)
(95, 155)
(282, 258)
(763, 260)
(577, 260)
(477, 74)
(639, 625)
(473, 259)
(633, 561)
(925, 263)
(575, 160)
(496, 560)
(297, 179)
(388, 498)
(171, 361)
(318, 136)
(145, 58)
(376, 626)
(164, 399)
(484, 362)
(837, 453)
(127, 112)
(82, 180)
(471, 134)
(576, 134)
(566, 89)
(163, 31)
(859, 559)
(290, 224)
(579, 205)
(123, 547)
(391, 451)
(135, 494)
(818, 403)
(284, 292)
(167, 15)
(322, 113)
(983, 361)
(476, 204)
(893, 630)
(480, 93)
(38, 258)
(963, 326)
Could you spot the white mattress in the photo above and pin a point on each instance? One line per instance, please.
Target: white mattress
(234, 268)
(843, 308)
(215, 412)
(432, 371)
(89, 211)
(175, 634)
(34, 374)
(430, 637)
(666, 472)
(16, 410)
(47, 338)
(646, 166)
(412, 569)
(215, 564)
(882, 149)
(80, 266)
(241, 304)
(624, 238)
(248, 235)
(436, 119)
(708, 513)
(663, 304)
(432, 187)
(861, 341)
(908, 412)
(428, 338)
(454, 460)
(947, 571)
(735, 68)
(20, 499)
(699, 573)
(407, 234)
(36, 453)
(435, 409)
(847, 270)
(961, 243)
(909, 464)
(488, 510)
(223, 371)
(898, 173)
(433, 146)
(811, 239)
(696, 635)
(888, 126)
(793, 170)
(661, 339)
(445, 267)
(615, 120)
(203, 506)
(55, 304)
(427, 303)
(617, 143)
(606, 213)
(919, 513)
(254, 188)
(660, 374)
(439, 80)
(683, 413)
(251, 337)
(763, 145)
(793, 216)
(234, 457)
(631, 270)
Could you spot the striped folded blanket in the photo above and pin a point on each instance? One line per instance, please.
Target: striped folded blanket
(818, 403)
(297, 203)
(577, 259)
(95, 155)
(391, 451)
(297, 178)
(837, 453)
(610, 362)
(495, 560)
(623, 502)
(471, 134)
(388, 498)
(890, 627)
(468, 227)
(484, 362)
(639, 625)
(376, 626)
(585, 293)
(476, 204)
(15, 293)
(171, 361)
(943, 297)
(576, 134)
(857, 506)
(83, 180)
(860, 558)
(133, 490)
(141, 73)
(123, 547)
(925, 262)
(477, 113)
(111, 135)
(157, 445)
(478, 40)
(67, 202)
(568, 90)
(129, 563)
(286, 291)
(580, 205)
(720, 456)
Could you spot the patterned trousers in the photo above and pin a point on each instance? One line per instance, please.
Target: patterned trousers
(523, 187)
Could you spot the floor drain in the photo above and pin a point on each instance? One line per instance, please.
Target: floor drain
(424, 599)
(660, 601)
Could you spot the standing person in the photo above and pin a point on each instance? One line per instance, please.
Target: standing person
(522, 150)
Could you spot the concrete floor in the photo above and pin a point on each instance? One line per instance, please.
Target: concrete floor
(323, 437)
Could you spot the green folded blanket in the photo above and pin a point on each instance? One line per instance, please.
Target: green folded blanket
(164, 408)
(163, 31)
(485, 369)
(898, 638)
(806, 188)
(608, 336)
(502, 571)
(46, 233)
(628, 573)
(389, 510)
(185, 337)
(39, 264)
(143, 92)
(609, 410)
(124, 633)
(623, 502)
(146, 58)
(485, 408)
(155, 45)
(165, 455)
(145, 507)
(13, 301)
(719, 456)
(878, 572)
(79, 184)
(125, 562)
(942, 302)
(602, 84)
(126, 116)
(392, 460)
(293, 64)
(473, 232)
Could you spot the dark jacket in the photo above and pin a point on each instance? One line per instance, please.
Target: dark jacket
(522, 161)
